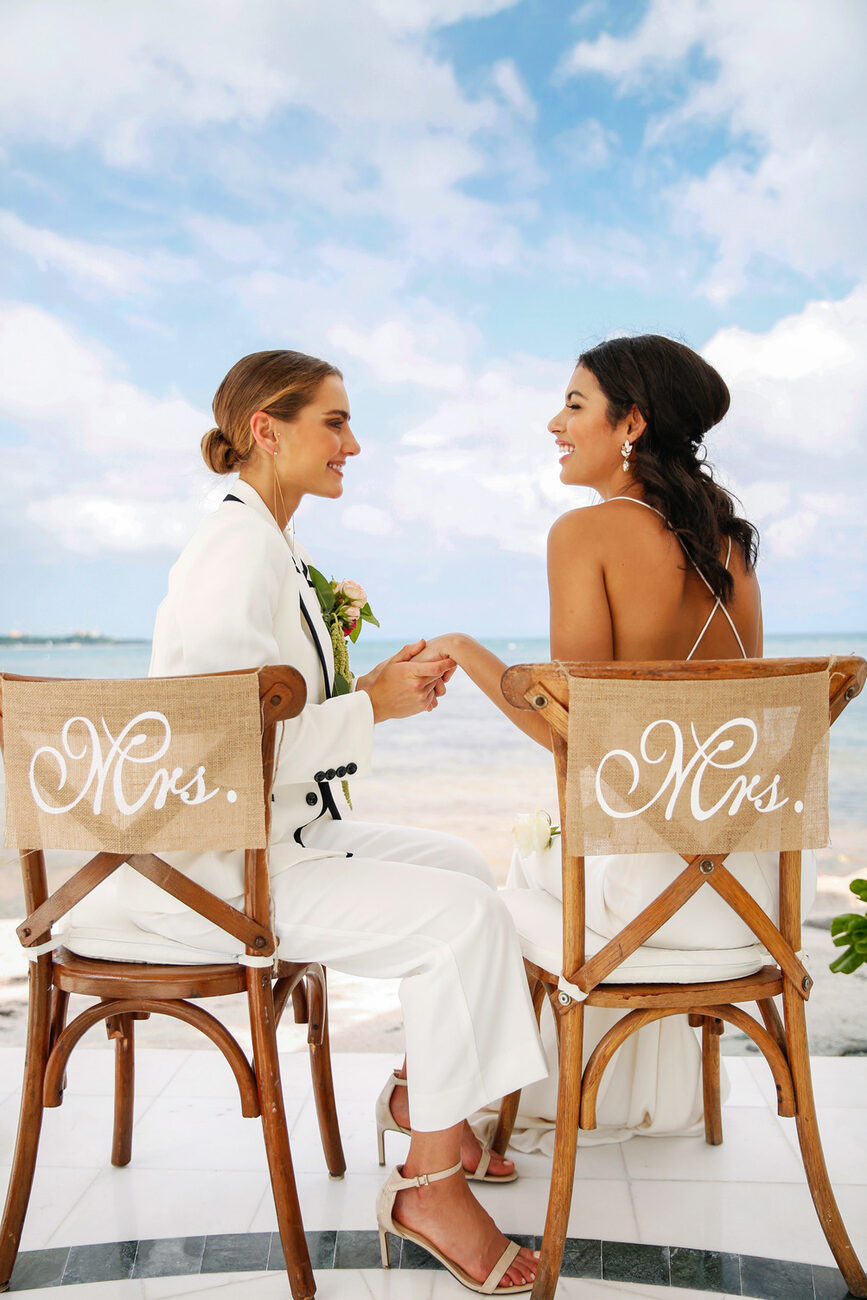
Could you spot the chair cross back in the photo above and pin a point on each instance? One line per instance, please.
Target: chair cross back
(788, 813)
(546, 689)
(110, 795)
(98, 755)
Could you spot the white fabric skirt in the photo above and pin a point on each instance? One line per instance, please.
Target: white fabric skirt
(652, 1087)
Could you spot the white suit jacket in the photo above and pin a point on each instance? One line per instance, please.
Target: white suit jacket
(238, 597)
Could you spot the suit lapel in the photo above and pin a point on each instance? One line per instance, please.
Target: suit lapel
(311, 614)
(311, 626)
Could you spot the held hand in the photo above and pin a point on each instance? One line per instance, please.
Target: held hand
(367, 680)
(445, 646)
(403, 686)
(440, 647)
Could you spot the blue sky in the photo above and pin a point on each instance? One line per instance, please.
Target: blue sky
(449, 199)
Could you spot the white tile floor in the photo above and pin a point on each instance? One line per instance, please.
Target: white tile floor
(199, 1168)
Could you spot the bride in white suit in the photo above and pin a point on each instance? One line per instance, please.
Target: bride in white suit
(377, 901)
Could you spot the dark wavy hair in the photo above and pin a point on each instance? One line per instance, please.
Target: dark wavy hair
(681, 397)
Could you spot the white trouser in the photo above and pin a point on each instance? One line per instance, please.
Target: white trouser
(419, 906)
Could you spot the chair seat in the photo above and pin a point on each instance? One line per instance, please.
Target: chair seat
(97, 927)
(95, 977)
(538, 918)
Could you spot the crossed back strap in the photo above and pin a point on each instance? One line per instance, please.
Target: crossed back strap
(702, 759)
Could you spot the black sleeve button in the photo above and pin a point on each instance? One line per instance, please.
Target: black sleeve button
(351, 769)
(320, 776)
(312, 799)
(330, 774)
(341, 772)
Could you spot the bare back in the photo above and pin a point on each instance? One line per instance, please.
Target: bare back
(622, 588)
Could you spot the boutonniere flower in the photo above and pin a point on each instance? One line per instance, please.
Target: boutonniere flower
(533, 832)
(344, 608)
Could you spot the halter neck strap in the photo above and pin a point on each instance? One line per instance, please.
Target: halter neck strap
(718, 602)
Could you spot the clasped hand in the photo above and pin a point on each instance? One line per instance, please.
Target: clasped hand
(410, 682)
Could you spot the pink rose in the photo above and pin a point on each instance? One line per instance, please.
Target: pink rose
(353, 592)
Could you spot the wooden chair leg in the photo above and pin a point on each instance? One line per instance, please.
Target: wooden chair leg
(264, 1033)
(506, 1122)
(565, 1148)
(773, 1023)
(811, 1144)
(30, 1117)
(320, 1069)
(120, 1028)
(710, 1035)
(59, 1005)
(711, 1029)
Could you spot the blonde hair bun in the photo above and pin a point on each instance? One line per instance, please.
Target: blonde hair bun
(219, 454)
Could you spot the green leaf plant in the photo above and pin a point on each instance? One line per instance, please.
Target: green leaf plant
(849, 932)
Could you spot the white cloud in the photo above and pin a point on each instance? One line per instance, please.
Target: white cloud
(427, 352)
(792, 537)
(94, 267)
(797, 431)
(90, 523)
(416, 15)
(234, 242)
(396, 136)
(598, 251)
(785, 84)
(512, 87)
(369, 520)
(802, 382)
(102, 465)
(587, 145)
(483, 465)
(338, 285)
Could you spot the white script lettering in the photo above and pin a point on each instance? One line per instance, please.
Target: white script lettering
(737, 739)
(134, 746)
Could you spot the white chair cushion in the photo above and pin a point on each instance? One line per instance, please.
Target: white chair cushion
(97, 927)
(538, 918)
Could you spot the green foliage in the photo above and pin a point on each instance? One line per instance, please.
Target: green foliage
(849, 932)
(324, 589)
(367, 616)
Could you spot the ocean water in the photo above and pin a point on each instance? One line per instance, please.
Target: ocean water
(466, 736)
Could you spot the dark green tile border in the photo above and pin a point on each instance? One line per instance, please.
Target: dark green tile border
(614, 1261)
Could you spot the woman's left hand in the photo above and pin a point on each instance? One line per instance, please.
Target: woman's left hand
(441, 647)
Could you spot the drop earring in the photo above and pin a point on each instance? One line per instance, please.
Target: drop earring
(626, 452)
(290, 519)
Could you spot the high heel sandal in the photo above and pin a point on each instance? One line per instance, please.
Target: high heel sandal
(385, 1220)
(386, 1123)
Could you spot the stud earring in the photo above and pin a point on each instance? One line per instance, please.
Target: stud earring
(626, 452)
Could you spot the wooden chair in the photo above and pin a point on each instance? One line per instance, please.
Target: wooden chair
(572, 980)
(129, 990)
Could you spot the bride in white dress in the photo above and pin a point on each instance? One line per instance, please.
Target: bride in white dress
(661, 568)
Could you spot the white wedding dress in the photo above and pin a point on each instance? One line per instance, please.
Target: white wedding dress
(652, 1087)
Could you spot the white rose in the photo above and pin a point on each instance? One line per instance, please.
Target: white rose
(353, 591)
(532, 832)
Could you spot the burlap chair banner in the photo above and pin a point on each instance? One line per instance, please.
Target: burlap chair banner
(735, 764)
(134, 766)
